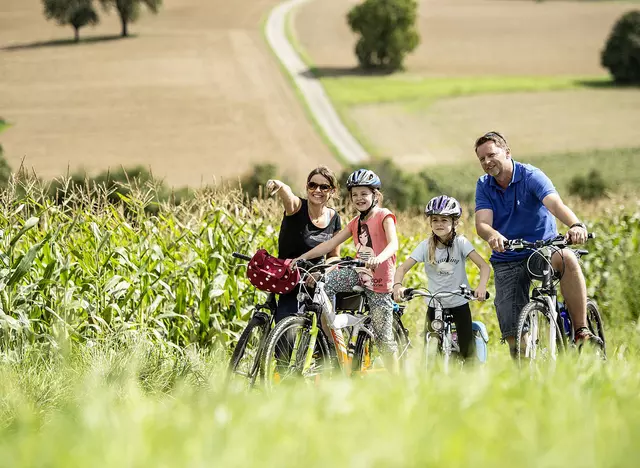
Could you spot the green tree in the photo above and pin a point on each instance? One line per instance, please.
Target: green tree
(77, 13)
(387, 30)
(588, 187)
(129, 10)
(621, 54)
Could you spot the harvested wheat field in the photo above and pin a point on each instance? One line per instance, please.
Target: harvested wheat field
(477, 37)
(195, 95)
(563, 121)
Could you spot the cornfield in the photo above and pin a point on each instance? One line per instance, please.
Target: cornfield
(83, 269)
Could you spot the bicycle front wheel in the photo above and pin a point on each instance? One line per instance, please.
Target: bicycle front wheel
(401, 337)
(287, 350)
(537, 340)
(431, 351)
(595, 323)
(245, 360)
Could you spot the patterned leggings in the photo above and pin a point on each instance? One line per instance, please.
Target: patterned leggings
(380, 305)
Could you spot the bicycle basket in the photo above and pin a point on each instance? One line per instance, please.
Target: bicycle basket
(271, 274)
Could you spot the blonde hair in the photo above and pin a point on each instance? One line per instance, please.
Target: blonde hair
(432, 242)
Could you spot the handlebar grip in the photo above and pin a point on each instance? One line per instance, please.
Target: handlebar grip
(241, 256)
(407, 292)
(358, 263)
(486, 294)
(591, 235)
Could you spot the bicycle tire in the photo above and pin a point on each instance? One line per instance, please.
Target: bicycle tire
(359, 362)
(431, 350)
(401, 336)
(256, 327)
(526, 318)
(595, 323)
(284, 326)
(364, 341)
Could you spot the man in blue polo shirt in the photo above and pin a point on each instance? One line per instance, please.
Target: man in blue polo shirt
(518, 201)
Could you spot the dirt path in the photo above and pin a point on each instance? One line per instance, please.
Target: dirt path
(309, 85)
(196, 95)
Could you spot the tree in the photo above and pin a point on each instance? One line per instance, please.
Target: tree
(77, 13)
(387, 32)
(129, 10)
(621, 54)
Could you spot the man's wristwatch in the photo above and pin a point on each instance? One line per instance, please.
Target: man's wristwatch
(582, 225)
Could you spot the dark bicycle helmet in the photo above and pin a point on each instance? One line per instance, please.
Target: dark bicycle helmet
(443, 205)
(363, 178)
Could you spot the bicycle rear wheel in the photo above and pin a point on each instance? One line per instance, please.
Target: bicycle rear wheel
(293, 334)
(534, 338)
(246, 357)
(364, 353)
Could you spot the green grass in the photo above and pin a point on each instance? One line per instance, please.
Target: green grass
(351, 91)
(3, 125)
(138, 406)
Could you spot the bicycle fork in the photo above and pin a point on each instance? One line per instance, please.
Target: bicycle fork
(553, 326)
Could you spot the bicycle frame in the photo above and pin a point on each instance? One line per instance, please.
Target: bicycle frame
(344, 352)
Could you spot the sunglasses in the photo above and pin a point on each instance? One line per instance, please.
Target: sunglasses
(324, 187)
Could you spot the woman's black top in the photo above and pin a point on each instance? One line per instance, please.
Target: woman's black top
(298, 234)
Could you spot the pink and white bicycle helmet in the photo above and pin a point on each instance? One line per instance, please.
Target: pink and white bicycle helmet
(444, 206)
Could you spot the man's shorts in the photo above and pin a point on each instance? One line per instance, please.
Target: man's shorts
(512, 281)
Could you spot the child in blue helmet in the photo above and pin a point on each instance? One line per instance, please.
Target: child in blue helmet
(444, 254)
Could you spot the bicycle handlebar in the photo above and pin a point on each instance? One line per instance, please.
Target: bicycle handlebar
(241, 256)
(308, 266)
(558, 241)
(465, 292)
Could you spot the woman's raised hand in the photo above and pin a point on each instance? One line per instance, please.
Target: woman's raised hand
(273, 185)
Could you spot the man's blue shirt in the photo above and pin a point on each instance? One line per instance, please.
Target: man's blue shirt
(518, 212)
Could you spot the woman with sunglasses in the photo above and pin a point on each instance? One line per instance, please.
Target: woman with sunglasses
(305, 224)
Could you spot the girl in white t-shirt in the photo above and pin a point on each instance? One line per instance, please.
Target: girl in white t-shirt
(444, 255)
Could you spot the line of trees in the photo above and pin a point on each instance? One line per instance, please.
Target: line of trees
(81, 13)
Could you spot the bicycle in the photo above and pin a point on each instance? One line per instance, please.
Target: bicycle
(544, 309)
(439, 337)
(299, 345)
(247, 354)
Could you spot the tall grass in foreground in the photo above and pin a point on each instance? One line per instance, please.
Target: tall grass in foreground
(101, 407)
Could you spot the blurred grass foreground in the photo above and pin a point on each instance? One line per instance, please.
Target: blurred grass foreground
(137, 404)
